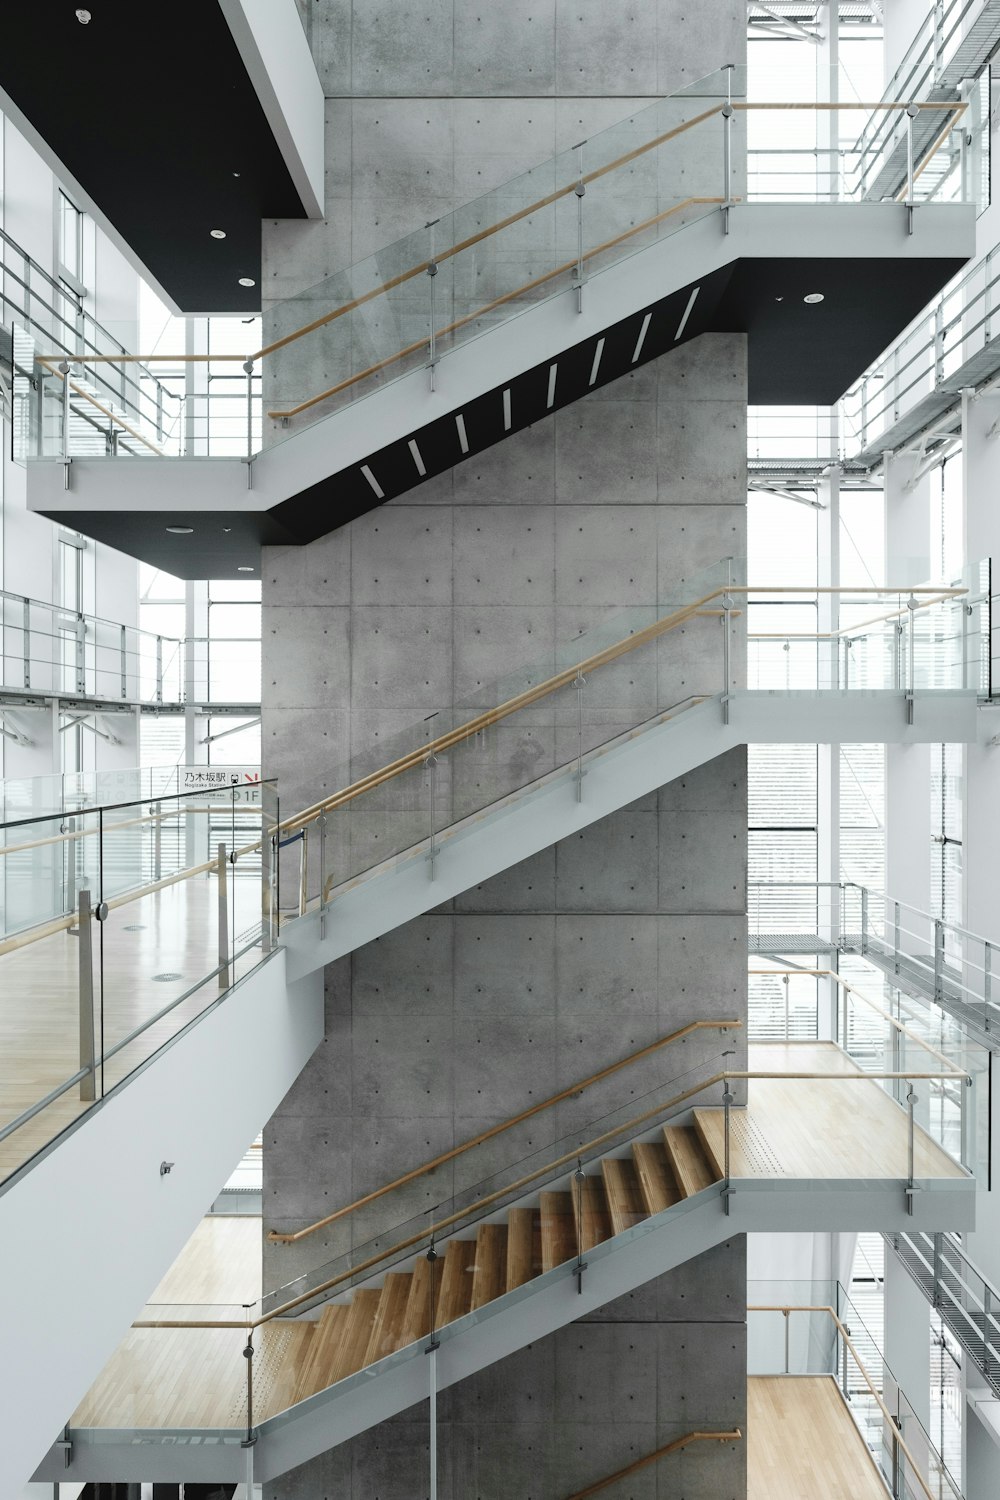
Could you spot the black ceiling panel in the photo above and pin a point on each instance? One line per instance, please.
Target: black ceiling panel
(152, 111)
(799, 354)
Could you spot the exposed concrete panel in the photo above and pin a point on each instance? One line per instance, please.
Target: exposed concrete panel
(457, 596)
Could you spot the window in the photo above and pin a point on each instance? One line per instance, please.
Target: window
(70, 243)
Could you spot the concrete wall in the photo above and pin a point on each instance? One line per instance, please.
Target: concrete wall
(582, 954)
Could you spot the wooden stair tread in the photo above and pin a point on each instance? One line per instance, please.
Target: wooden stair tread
(626, 1204)
(489, 1278)
(595, 1216)
(295, 1356)
(690, 1166)
(455, 1296)
(711, 1127)
(656, 1179)
(322, 1353)
(389, 1316)
(350, 1355)
(558, 1229)
(421, 1302)
(524, 1246)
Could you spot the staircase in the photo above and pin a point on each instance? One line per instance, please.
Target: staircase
(503, 1256)
(350, 1351)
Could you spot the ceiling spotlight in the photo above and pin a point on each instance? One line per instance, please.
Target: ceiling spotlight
(218, 234)
(247, 281)
(180, 530)
(242, 568)
(813, 297)
(83, 16)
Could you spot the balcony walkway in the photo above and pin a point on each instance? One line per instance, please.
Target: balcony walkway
(802, 1440)
(154, 950)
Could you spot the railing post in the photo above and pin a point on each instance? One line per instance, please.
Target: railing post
(81, 654)
(912, 606)
(727, 608)
(251, 1437)
(987, 1320)
(895, 936)
(26, 639)
(157, 840)
(248, 371)
(577, 1197)
(431, 764)
(580, 192)
(864, 920)
(787, 1312)
(64, 372)
(936, 1289)
(266, 877)
(727, 149)
(579, 683)
(85, 956)
(987, 983)
(321, 820)
(221, 871)
(938, 959)
(432, 270)
(727, 1099)
(159, 669)
(123, 655)
(304, 871)
(911, 1101)
(911, 114)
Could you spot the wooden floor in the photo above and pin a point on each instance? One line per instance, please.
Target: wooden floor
(218, 1269)
(171, 933)
(189, 1377)
(809, 1129)
(802, 1443)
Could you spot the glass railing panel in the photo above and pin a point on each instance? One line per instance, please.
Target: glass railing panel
(536, 1156)
(120, 925)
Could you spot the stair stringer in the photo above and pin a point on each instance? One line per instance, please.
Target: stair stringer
(635, 764)
(511, 1322)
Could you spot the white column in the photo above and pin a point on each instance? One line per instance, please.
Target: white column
(828, 756)
(907, 1338)
(908, 767)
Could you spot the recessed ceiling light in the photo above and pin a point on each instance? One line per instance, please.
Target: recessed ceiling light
(83, 16)
(236, 174)
(247, 281)
(813, 297)
(218, 234)
(180, 530)
(243, 569)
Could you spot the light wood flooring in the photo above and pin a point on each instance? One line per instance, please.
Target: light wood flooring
(193, 1377)
(172, 932)
(802, 1443)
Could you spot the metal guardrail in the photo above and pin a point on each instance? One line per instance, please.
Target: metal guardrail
(967, 1303)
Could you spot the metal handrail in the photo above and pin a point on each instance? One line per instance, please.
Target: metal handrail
(573, 1091)
(852, 989)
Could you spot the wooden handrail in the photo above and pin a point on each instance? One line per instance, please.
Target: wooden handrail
(885, 1014)
(651, 1458)
(561, 679)
(845, 631)
(786, 1309)
(955, 106)
(487, 307)
(487, 1135)
(433, 1231)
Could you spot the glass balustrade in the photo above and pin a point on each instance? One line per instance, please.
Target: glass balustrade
(812, 1329)
(703, 150)
(118, 926)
